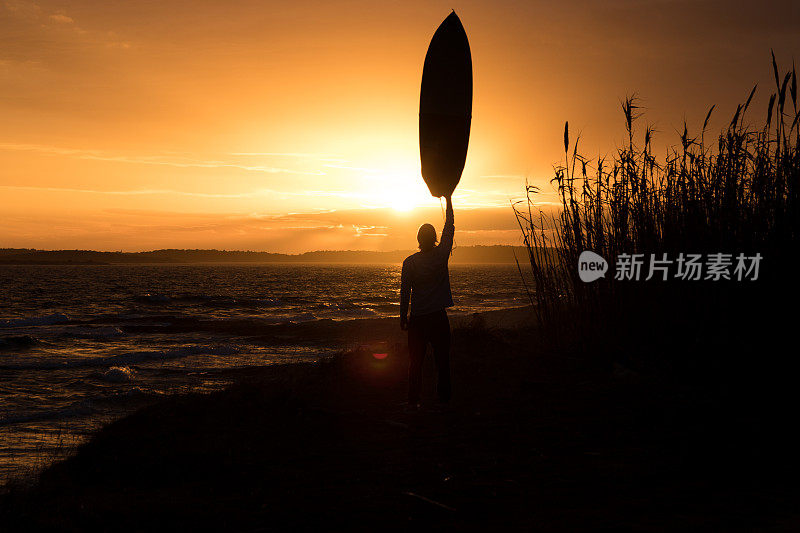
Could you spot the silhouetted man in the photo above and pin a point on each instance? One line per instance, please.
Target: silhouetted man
(425, 289)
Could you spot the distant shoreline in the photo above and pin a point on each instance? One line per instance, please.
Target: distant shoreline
(499, 254)
(233, 263)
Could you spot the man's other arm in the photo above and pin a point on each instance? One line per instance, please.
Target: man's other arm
(405, 294)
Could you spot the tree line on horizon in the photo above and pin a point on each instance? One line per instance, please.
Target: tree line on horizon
(462, 254)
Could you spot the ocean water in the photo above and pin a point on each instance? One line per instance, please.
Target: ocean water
(81, 345)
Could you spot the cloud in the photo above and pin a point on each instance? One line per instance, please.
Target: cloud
(180, 162)
(61, 19)
(388, 220)
(360, 169)
(370, 231)
(53, 40)
(153, 192)
(516, 177)
(331, 158)
(135, 192)
(355, 229)
(22, 9)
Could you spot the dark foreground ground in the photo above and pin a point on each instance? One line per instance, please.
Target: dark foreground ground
(535, 440)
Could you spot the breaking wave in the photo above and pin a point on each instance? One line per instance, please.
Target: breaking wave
(118, 374)
(80, 408)
(126, 358)
(48, 320)
(206, 300)
(94, 332)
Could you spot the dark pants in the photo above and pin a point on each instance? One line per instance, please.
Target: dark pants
(433, 328)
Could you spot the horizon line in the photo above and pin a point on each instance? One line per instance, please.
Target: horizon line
(7, 249)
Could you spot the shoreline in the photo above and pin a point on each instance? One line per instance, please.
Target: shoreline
(534, 437)
(129, 385)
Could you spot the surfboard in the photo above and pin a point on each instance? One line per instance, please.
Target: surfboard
(445, 107)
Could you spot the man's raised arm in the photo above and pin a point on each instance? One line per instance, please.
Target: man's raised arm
(446, 244)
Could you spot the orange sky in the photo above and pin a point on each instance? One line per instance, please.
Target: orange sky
(292, 126)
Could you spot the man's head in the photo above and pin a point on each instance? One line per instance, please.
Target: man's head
(426, 237)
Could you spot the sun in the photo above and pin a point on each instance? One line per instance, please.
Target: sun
(407, 197)
(399, 186)
(403, 203)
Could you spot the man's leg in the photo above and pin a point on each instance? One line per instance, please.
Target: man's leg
(440, 339)
(416, 354)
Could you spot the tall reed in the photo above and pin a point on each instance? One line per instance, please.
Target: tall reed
(735, 194)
